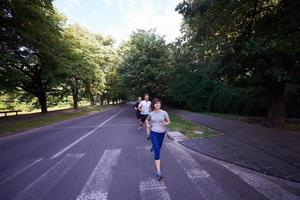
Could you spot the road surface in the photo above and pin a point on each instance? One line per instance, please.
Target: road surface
(104, 156)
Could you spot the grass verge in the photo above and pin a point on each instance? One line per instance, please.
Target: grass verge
(46, 119)
(221, 115)
(187, 128)
(290, 125)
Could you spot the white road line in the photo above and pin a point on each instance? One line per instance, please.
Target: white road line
(70, 127)
(153, 189)
(206, 185)
(264, 186)
(120, 125)
(16, 173)
(147, 147)
(149, 187)
(96, 187)
(84, 136)
(38, 188)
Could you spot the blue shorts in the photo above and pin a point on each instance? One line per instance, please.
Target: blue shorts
(157, 140)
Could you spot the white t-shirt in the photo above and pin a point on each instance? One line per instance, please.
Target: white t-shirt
(145, 106)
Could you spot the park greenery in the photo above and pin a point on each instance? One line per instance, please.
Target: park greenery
(237, 57)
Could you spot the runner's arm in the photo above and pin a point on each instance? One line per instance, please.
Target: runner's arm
(140, 107)
(167, 120)
(136, 106)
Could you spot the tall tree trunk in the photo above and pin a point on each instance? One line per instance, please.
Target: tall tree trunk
(75, 95)
(92, 99)
(90, 93)
(276, 116)
(42, 101)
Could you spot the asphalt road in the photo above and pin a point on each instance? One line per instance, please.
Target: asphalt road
(104, 156)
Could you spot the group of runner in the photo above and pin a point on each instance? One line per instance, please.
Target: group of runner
(154, 119)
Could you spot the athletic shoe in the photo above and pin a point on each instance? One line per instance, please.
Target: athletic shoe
(158, 176)
(139, 128)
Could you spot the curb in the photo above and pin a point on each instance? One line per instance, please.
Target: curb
(176, 136)
(241, 166)
(247, 169)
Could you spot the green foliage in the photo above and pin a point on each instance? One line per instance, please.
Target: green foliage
(30, 38)
(247, 101)
(293, 101)
(243, 46)
(239, 56)
(47, 60)
(87, 58)
(257, 41)
(145, 65)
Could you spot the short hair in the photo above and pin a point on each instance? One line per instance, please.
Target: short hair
(154, 101)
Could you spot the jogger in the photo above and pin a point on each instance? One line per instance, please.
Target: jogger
(138, 112)
(157, 120)
(145, 108)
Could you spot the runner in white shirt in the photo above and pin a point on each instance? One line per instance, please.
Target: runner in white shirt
(145, 108)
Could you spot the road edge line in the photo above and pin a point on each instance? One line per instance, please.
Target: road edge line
(84, 136)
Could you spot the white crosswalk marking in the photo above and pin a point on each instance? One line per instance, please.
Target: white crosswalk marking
(15, 172)
(38, 188)
(96, 187)
(153, 189)
(264, 186)
(147, 148)
(206, 185)
(149, 187)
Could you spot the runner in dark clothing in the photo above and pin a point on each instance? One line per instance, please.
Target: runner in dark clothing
(138, 112)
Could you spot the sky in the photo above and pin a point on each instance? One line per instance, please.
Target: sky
(118, 18)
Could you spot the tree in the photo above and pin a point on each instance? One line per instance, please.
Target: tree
(30, 35)
(192, 84)
(145, 63)
(256, 44)
(87, 57)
